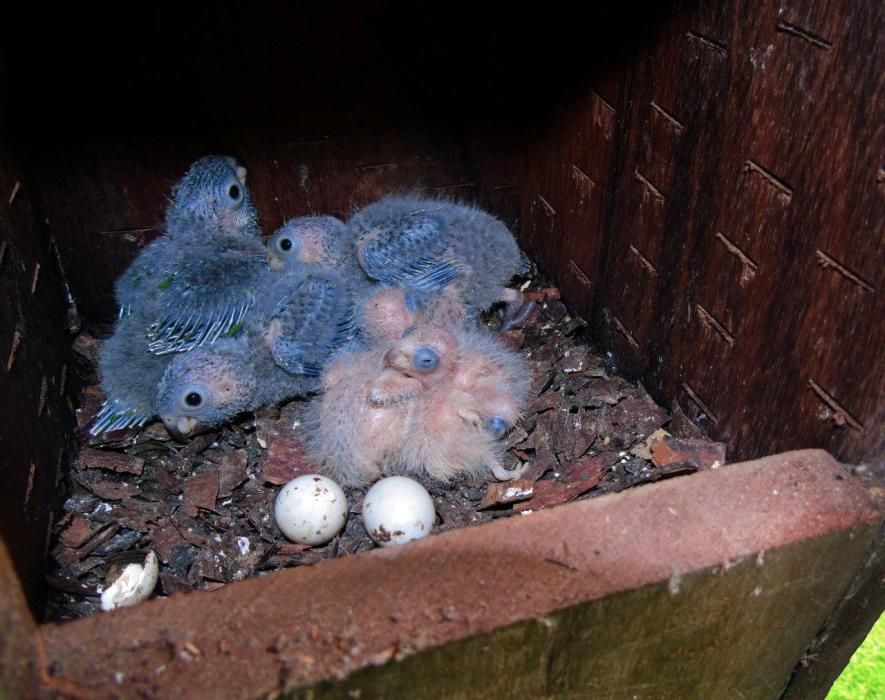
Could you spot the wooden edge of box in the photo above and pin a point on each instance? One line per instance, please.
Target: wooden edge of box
(19, 647)
(302, 626)
(834, 643)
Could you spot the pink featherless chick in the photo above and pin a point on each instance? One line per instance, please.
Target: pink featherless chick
(359, 424)
(473, 390)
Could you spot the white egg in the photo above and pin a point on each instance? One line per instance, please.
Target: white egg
(311, 509)
(396, 510)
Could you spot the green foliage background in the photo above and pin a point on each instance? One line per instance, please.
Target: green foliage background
(864, 676)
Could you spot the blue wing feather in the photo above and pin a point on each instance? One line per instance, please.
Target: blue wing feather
(411, 254)
(314, 319)
(116, 416)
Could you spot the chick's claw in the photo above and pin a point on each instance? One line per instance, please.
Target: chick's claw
(516, 315)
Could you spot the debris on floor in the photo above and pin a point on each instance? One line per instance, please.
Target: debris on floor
(206, 507)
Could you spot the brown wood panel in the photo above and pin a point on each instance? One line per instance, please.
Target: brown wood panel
(706, 182)
(329, 107)
(542, 212)
(798, 338)
(662, 182)
(743, 231)
(571, 168)
(35, 409)
(734, 573)
(19, 648)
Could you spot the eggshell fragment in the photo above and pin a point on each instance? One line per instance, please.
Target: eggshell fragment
(311, 509)
(134, 585)
(396, 510)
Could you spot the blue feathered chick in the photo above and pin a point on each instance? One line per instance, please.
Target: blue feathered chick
(426, 245)
(279, 353)
(199, 279)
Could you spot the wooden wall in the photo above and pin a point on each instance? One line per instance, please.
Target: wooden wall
(328, 107)
(718, 212)
(36, 413)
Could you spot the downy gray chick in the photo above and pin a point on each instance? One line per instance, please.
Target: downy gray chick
(129, 375)
(427, 244)
(382, 311)
(279, 353)
(199, 279)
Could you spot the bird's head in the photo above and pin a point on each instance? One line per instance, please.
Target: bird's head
(307, 240)
(427, 353)
(204, 388)
(213, 192)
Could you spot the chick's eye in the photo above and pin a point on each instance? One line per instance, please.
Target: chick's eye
(285, 244)
(234, 192)
(193, 399)
(425, 360)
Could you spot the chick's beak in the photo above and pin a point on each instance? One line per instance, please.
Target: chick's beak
(276, 263)
(398, 360)
(241, 174)
(181, 427)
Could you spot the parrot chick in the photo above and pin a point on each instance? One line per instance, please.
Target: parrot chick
(198, 281)
(207, 386)
(318, 242)
(448, 439)
(387, 314)
(213, 193)
(357, 427)
(278, 354)
(427, 244)
(435, 403)
(382, 312)
(474, 391)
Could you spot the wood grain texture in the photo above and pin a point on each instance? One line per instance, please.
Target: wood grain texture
(329, 107)
(836, 641)
(19, 651)
(571, 166)
(104, 209)
(705, 181)
(722, 632)
(36, 414)
(743, 245)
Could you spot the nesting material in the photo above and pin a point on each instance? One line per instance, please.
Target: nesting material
(206, 507)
